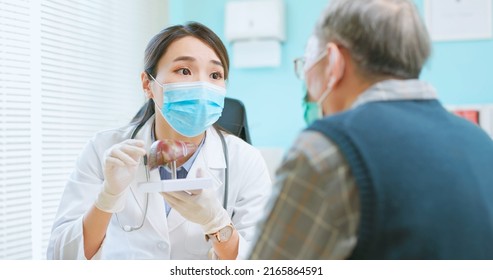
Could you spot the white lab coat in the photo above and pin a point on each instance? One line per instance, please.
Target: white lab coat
(161, 237)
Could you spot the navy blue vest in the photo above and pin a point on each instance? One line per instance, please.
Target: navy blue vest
(425, 179)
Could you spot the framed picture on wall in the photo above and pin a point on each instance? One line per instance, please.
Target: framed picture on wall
(449, 20)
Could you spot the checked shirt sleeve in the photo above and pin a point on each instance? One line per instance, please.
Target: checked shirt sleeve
(315, 206)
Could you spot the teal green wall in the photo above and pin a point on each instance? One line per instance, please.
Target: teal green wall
(460, 71)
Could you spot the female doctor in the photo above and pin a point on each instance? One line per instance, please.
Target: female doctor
(103, 214)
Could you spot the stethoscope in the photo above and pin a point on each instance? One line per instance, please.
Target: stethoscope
(128, 228)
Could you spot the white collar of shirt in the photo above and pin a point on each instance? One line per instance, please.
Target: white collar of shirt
(392, 90)
(188, 164)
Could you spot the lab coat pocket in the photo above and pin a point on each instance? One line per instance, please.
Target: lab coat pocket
(196, 243)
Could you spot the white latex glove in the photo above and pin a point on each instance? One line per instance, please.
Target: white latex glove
(201, 207)
(120, 165)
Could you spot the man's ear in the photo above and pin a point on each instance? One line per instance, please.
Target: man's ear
(336, 64)
(146, 85)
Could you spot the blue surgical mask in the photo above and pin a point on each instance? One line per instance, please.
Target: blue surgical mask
(190, 108)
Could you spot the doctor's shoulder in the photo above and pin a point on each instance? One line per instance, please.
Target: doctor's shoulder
(241, 152)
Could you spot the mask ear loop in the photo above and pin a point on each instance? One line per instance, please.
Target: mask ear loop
(336, 65)
(156, 104)
(336, 68)
(334, 57)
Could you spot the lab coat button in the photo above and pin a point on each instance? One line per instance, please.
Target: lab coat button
(162, 245)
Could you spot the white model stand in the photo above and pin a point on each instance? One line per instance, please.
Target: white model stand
(174, 185)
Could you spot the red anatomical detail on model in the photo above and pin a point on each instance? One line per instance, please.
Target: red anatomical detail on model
(165, 151)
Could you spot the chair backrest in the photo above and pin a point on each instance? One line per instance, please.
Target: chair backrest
(234, 120)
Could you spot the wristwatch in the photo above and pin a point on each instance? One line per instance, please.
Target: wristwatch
(222, 235)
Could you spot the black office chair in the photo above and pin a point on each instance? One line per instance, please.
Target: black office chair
(234, 119)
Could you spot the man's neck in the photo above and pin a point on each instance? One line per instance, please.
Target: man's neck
(348, 92)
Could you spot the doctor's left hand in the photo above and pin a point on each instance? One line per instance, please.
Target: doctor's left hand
(201, 207)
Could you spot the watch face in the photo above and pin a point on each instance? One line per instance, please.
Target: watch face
(225, 233)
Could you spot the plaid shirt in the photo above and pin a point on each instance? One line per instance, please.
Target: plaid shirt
(315, 204)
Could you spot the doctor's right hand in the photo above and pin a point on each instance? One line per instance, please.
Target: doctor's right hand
(120, 166)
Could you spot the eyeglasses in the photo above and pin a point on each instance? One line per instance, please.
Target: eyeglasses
(299, 65)
(305, 63)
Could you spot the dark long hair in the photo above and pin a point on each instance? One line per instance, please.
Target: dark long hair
(157, 47)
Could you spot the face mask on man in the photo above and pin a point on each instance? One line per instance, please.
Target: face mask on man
(190, 108)
(312, 111)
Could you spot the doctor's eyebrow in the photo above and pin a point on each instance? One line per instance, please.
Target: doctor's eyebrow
(216, 62)
(184, 58)
(192, 59)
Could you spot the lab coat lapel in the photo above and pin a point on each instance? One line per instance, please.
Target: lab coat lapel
(157, 211)
(156, 214)
(144, 134)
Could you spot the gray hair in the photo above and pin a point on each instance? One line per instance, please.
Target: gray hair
(384, 37)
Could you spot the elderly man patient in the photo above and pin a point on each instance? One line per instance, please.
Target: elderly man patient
(383, 170)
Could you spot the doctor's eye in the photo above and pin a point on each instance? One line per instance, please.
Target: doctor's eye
(216, 76)
(184, 71)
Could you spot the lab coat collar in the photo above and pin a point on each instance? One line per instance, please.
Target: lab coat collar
(213, 152)
(145, 133)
